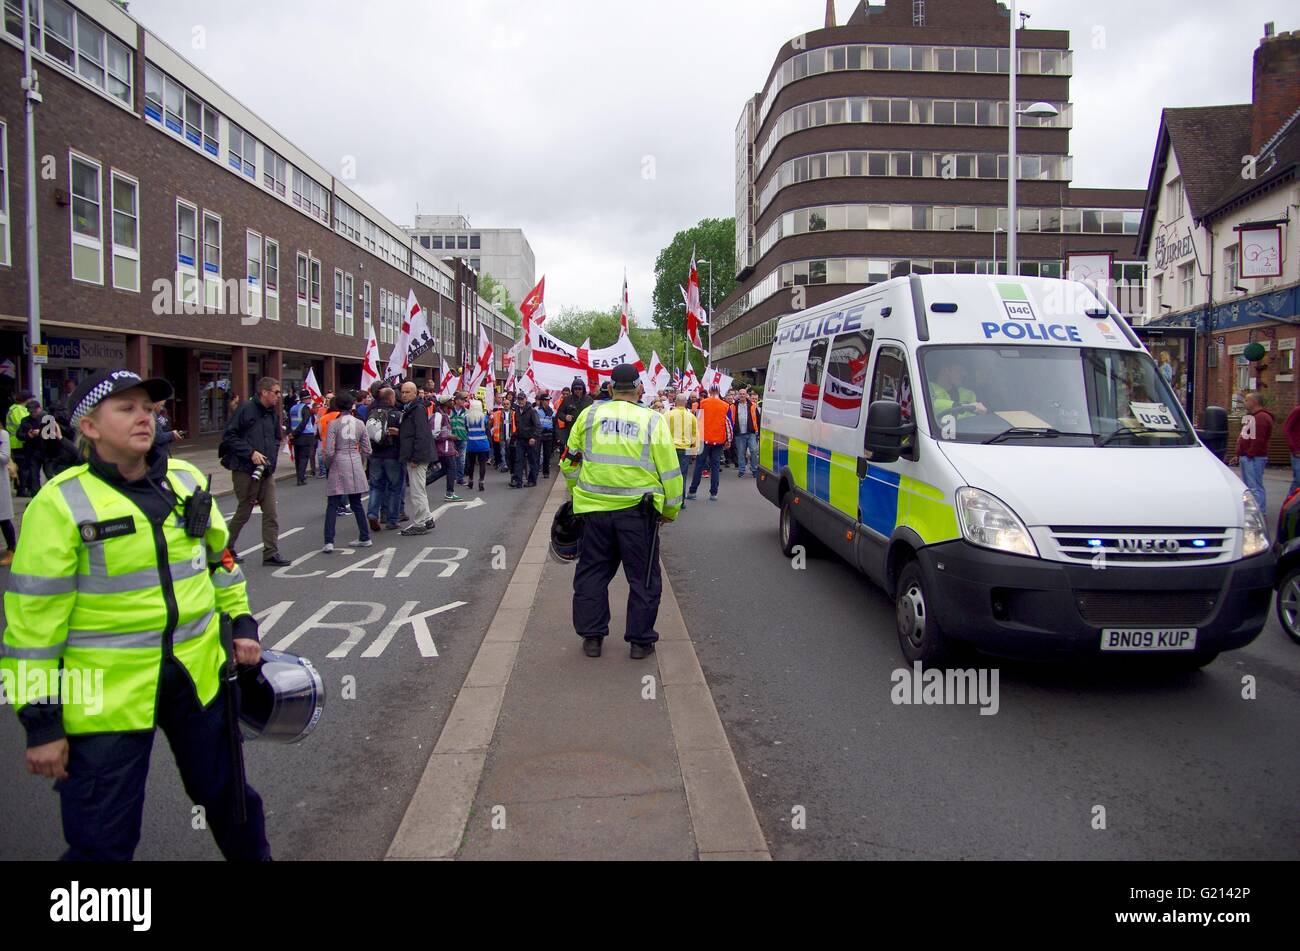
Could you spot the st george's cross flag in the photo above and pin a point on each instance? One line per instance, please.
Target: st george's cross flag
(370, 363)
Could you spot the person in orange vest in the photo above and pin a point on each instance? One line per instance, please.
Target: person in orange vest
(746, 419)
(499, 433)
(715, 424)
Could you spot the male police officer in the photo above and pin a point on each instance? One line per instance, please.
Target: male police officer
(622, 471)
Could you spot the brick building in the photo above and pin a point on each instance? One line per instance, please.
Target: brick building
(879, 148)
(1219, 233)
(183, 236)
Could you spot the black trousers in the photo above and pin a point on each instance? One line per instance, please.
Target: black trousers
(608, 539)
(304, 452)
(524, 467)
(548, 449)
(103, 797)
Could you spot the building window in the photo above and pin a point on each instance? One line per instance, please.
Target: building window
(349, 290)
(271, 269)
(14, 20)
(338, 301)
(315, 294)
(347, 220)
(462, 242)
(1230, 270)
(1185, 274)
(212, 286)
(126, 233)
(424, 242)
(365, 303)
(1174, 200)
(243, 152)
(87, 221)
(309, 195)
(4, 190)
(474, 240)
(436, 241)
(304, 317)
(187, 230)
(180, 111)
(59, 20)
(274, 174)
(253, 280)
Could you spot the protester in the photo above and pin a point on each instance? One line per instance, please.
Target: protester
(546, 425)
(250, 448)
(164, 437)
(574, 402)
(444, 444)
(302, 435)
(479, 446)
(745, 422)
(527, 436)
(347, 447)
(6, 503)
(500, 431)
(685, 430)
(716, 426)
(1252, 446)
(1292, 429)
(415, 451)
(460, 429)
(386, 472)
(24, 456)
(51, 444)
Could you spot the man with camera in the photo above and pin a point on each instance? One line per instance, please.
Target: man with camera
(249, 449)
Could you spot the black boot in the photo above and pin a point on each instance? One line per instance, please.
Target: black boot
(591, 646)
(642, 651)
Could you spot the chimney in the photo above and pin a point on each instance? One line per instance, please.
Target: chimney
(830, 14)
(1276, 85)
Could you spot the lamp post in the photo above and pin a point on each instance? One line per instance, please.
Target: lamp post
(1037, 110)
(31, 97)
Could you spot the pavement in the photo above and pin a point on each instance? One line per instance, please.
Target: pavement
(549, 754)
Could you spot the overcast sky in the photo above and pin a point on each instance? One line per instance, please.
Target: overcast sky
(603, 127)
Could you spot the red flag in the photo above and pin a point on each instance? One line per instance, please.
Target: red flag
(370, 363)
(484, 361)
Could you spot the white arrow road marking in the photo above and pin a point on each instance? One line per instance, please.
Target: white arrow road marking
(423, 639)
(467, 506)
(283, 536)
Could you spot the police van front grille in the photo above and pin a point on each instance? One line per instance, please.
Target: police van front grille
(1131, 609)
(1142, 546)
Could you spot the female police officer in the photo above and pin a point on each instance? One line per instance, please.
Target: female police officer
(113, 612)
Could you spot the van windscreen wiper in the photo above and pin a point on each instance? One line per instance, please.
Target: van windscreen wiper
(1025, 432)
(1123, 431)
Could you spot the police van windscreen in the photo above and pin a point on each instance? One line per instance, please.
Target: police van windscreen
(1050, 396)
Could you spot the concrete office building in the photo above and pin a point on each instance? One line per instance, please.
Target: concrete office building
(185, 237)
(502, 252)
(878, 148)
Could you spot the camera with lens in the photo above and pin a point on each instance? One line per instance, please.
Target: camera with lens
(258, 472)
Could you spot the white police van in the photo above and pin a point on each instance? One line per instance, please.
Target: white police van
(1006, 460)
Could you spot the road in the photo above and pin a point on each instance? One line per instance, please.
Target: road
(340, 794)
(800, 663)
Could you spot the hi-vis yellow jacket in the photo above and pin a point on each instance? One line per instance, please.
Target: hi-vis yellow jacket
(103, 593)
(627, 452)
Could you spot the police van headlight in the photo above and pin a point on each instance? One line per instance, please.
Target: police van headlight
(987, 522)
(1254, 537)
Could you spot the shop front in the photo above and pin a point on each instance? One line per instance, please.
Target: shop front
(213, 379)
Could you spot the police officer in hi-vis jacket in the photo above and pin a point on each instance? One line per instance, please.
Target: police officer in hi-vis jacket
(114, 612)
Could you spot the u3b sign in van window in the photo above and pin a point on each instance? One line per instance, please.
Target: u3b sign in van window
(1154, 416)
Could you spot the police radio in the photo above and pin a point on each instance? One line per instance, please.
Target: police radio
(198, 513)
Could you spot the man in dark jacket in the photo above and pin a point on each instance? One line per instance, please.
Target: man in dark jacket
(164, 437)
(250, 448)
(570, 407)
(546, 420)
(415, 451)
(528, 435)
(386, 480)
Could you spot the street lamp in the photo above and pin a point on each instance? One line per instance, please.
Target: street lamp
(1038, 110)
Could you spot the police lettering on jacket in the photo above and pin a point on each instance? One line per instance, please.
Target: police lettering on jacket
(842, 321)
(627, 428)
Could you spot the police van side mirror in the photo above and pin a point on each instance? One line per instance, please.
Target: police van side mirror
(1215, 431)
(886, 430)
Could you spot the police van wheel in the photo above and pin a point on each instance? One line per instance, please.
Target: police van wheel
(792, 534)
(1288, 604)
(919, 634)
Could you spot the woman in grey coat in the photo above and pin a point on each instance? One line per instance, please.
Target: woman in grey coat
(6, 503)
(347, 447)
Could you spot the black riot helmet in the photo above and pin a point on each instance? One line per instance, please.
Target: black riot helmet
(566, 534)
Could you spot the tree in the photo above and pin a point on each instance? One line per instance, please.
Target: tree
(714, 239)
(495, 293)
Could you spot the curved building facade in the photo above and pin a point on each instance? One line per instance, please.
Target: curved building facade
(879, 148)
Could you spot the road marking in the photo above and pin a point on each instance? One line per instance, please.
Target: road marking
(467, 506)
(356, 629)
(283, 536)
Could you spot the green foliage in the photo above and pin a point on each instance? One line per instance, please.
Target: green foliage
(495, 293)
(713, 239)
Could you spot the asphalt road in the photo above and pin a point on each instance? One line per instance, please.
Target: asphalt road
(800, 663)
(342, 793)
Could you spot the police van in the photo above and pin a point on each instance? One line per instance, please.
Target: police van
(1005, 459)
